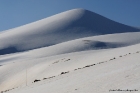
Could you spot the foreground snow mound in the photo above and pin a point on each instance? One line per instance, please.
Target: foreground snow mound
(69, 25)
(89, 71)
(50, 61)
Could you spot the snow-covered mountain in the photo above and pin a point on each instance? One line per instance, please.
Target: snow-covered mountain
(76, 51)
(69, 25)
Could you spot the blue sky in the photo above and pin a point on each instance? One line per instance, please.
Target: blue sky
(14, 13)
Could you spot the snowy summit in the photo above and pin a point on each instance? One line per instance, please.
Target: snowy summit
(69, 25)
(77, 51)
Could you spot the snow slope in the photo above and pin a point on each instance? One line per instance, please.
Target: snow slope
(88, 43)
(82, 44)
(87, 72)
(76, 51)
(51, 61)
(69, 25)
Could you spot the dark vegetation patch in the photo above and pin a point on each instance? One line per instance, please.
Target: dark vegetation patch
(67, 60)
(55, 62)
(64, 72)
(36, 80)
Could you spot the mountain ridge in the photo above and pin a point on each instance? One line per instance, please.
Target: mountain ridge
(65, 26)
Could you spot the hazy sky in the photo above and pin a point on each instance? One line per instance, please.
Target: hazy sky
(14, 13)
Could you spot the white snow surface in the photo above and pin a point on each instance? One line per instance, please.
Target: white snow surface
(62, 27)
(80, 63)
(106, 74)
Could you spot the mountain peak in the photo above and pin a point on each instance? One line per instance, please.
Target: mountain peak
(78, 9)
(65, 26)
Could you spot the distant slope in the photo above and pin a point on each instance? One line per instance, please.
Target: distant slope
(69, 25)
(83, 44)
(88, 43)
